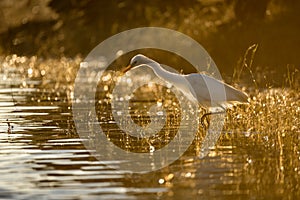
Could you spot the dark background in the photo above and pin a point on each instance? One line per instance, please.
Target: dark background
(226, 28)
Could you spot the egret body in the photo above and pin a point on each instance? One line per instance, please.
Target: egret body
(199, 88)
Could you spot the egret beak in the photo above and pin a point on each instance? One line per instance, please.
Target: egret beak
(126, 69)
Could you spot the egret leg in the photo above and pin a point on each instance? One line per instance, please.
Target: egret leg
(204, 116)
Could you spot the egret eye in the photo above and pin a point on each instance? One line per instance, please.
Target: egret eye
(134, 63)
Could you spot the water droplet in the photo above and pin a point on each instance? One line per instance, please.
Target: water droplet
(249, 160)
(30, 71)
(247, 134)
(152, 149)
(169, 85)
(169, 177)
(129, 81)
(84, 64)
(43, 72)
(188, 175)
(106, 78)
(105, 87)
(161, 181)
(159, 103)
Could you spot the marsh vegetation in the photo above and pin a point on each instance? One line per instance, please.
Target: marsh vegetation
(257, 155)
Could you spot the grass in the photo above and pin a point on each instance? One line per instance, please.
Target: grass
(265, 131)
(271, 111)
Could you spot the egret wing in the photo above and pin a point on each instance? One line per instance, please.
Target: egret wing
(209, 89)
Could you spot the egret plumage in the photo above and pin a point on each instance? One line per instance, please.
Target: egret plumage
(199, 88)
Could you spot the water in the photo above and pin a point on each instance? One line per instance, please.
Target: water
(42, 157)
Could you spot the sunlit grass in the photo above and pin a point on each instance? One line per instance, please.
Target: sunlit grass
(264, 133)
(271, 114)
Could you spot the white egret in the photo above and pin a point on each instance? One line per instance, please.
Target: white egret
(199, 88)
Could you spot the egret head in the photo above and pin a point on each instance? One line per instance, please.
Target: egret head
(137, 60)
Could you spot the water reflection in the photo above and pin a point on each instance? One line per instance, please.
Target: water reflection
(43, 157)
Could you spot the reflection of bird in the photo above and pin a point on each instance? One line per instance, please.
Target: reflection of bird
(198, 88)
